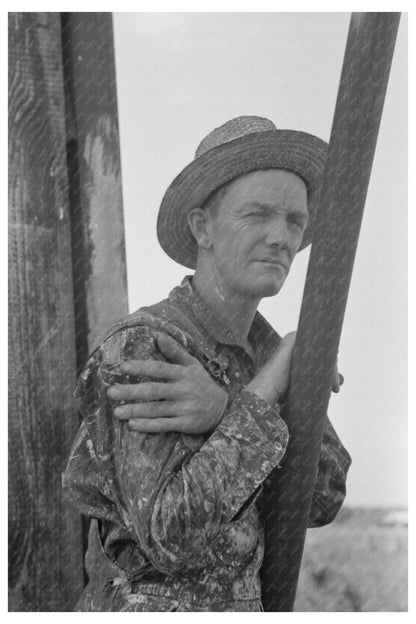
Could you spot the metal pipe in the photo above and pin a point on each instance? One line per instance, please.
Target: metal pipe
(363, 84)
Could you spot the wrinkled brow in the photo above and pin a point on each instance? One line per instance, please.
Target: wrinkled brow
(298, 211)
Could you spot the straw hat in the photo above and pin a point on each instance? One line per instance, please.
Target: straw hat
(237, 147)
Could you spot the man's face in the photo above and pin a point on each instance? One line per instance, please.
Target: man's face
(257, 231)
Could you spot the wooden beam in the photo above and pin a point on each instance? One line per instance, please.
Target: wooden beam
(67, 278)
(95, 176)
(45, 547)
(94, 169)
(359, 106)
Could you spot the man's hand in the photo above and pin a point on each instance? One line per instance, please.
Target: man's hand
(184, 397)
(271, 382)
(337, 379)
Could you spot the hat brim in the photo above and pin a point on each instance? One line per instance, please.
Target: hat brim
(302, 153)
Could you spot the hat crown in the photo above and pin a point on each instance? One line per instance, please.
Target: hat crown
(234, 129)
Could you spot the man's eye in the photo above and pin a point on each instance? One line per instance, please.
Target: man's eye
(300, 223)
(257, 213)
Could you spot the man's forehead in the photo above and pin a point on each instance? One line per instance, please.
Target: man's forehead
(268, 186)
(285, 203)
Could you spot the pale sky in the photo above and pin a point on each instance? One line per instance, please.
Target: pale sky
(179, 75)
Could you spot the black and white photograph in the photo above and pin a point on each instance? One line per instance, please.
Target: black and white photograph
(208, 310)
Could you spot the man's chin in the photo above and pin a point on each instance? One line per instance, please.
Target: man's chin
(267, 285)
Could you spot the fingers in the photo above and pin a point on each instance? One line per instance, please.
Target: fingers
(337, 381)
(288, 343)
(173, 352)
(289, 340)
(146, 391)
(290, 336)
(161, 370)
(152, 368)
(157, 425)
(154, 409)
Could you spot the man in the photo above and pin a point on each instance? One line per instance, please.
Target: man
(181, 401)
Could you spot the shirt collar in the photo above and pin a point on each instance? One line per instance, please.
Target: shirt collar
(261, 333)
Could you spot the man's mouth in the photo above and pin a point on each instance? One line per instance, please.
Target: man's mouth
(275, 262)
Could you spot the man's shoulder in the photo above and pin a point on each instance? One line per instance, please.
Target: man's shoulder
(164, 316)
(136, 332)
(158, 317)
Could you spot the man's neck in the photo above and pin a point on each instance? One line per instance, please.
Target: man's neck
(234, 311)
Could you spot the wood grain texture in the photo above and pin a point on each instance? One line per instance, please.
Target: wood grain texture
(95, 176)
(45, 552)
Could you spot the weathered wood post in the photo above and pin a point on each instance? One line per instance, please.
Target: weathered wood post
(66, 281)
(93, 157)
(94, 175)
(45, 548)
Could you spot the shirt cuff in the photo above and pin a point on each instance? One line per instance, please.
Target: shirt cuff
(262, 437)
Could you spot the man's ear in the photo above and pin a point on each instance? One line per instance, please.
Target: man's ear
(199, 222)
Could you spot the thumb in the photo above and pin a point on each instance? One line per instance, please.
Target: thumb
(288, 342)
(172, 351)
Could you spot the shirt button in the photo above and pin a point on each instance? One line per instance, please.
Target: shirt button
(278, 446)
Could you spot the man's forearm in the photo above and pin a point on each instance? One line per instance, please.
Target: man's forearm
(330, 484)
(181, 511)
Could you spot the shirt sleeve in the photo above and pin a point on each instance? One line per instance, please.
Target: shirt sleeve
(174, 491)
(330, 484)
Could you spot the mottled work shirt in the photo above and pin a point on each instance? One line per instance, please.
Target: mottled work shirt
(177, 518)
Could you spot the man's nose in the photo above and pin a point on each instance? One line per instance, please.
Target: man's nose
(278, 233)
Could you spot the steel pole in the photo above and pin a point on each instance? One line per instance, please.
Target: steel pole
(364, 77)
